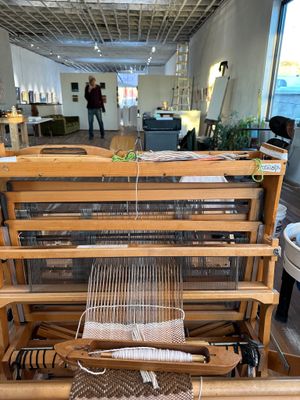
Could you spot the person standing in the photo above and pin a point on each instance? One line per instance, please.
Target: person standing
(95, 106)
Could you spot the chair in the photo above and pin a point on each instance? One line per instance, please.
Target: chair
(188, 142)
(122, 142)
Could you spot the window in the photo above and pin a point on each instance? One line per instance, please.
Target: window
(286, 78)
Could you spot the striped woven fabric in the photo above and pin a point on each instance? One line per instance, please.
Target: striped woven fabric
(168, 155)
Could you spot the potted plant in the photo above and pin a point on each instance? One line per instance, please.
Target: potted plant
(234, 134)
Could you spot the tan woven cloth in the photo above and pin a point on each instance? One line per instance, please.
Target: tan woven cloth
(149, 322)
(122, 384)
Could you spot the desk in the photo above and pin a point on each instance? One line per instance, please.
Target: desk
(14, 124)
(38, 123)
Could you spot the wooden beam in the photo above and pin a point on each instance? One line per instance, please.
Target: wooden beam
(246, 291)
(131, 195)
(190, 316)
(212, 389)
(237, 250)
(93, 166)
(130, 225)
(28, 185)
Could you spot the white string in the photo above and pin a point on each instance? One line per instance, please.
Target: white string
(136, 189)
(89, 371)
(200, 388)
(147, 376)
(147, 354)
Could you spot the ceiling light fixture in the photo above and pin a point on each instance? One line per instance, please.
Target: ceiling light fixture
(32, 45)
(153, 50)
(58, 56)
(96, 46)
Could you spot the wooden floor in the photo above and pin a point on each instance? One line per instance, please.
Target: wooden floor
(287, 335)
(81, 137)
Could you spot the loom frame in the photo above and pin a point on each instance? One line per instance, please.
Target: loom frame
(31, 163)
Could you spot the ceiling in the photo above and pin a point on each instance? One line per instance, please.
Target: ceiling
(124, 31)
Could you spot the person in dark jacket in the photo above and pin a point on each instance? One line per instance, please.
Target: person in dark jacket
(95, 106)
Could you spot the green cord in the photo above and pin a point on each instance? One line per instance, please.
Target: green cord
(258, 175)
(130, 156)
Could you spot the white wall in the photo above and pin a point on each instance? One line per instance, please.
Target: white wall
(156, 70)
(111, 118)
(37, 73)
(153, 90)
(7, 87)
(170, 66)
(239, 33)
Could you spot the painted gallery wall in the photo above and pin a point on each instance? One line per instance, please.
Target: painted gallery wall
(37, 73)
(239, 32)
(7, 86)
(74, 102)
(153, 90)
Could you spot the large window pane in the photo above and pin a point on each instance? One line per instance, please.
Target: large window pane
(286, 99)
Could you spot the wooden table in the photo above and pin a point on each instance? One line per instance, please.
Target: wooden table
(14, 124)
(38, 123)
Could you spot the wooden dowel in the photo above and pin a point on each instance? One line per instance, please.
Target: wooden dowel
(229, 389)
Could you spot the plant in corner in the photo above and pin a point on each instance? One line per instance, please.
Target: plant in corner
(232, 135)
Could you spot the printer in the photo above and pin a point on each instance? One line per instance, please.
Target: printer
(161, 132)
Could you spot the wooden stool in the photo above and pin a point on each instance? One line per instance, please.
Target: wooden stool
(14, 124)
(122, 142)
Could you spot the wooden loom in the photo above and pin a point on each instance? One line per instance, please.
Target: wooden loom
(41, 165)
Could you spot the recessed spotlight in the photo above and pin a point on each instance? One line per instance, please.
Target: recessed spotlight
(100, 55)
(96, 46)
(58, 56)
(32, 45)
(153, 49)
(99, 51)
(51, 53)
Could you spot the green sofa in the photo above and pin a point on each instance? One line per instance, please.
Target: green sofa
(60, 125)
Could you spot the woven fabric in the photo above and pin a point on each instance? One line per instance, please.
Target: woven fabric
(158, 323)
(168, 331)
(122, 384)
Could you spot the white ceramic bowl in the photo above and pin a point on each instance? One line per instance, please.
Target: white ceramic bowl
(291, 250)
(291, 268)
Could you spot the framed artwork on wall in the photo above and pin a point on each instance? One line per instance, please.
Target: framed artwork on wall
(24, 97)
(75, 98)
(18, 94)
(36, 97)
(74, 87)
(31, 96)
(102, 85)
(43, 97)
